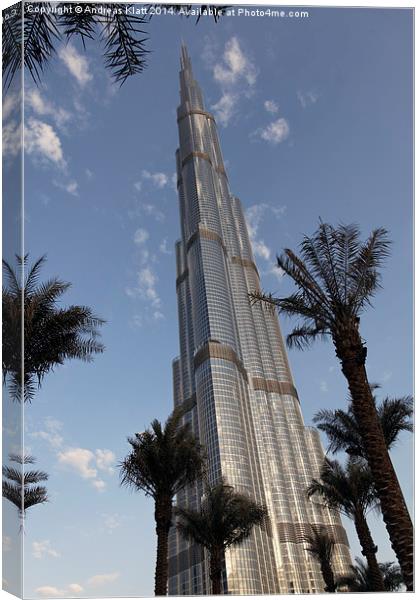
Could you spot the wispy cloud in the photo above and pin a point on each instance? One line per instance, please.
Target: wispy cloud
(275, 132)
(50, 591)
(76, 63)
(71, 187)
(158, 179)
(100, 580)
(307, 98)
(254, 216)
(237, 75)
(163, 247)
(43, 107)
(75, 588)
(141, 236)
(42, 549)
(43, 142)
(86, 464)
(271, 106)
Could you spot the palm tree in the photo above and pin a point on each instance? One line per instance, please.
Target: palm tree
(226, 518)
(163, 461)
(351, 492)
(337, 276)
(119, 30)
(395, 415)
(21, 487)
(321, 546)
(361, 580)
(51, 334)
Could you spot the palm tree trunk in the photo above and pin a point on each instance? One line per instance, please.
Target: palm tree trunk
(369, 551)
(328, 576)
(352, 355)
(163, 515)
(216, 555)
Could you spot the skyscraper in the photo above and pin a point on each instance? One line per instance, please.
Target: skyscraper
(234, 372)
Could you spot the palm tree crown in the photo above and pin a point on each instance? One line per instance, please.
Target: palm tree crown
(226, 518)
(21, 487)
(51, 334)
(321, 546)
(395, 415)
(163, 461)
(361, 578)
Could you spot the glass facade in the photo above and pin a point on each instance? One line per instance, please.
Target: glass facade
(234, 365)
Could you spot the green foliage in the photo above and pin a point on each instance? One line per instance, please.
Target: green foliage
(52, 334)
(336, 277)
(163, 460)
(360, 579)
(226, 518)
(21, 487)
(395, 415)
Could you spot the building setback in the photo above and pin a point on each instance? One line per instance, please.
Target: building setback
(234, 372)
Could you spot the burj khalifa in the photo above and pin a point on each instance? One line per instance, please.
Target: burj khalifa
(233, 373)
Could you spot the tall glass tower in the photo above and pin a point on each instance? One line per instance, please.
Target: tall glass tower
(234, 373)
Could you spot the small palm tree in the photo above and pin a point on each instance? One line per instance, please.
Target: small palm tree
(321, 546)
(226, 518)
(163, 461)
(351, 492)
(52, 334)
(21, 487)
(361, 579)
(395, 415)
(336, 277)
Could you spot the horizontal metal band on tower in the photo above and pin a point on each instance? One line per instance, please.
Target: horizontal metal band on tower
(245, 262)
(272, 385)
(206, 234)
(206, 157)
(298, 533)
(218, 350)
(196, 111)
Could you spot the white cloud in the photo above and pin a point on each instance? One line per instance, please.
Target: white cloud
(42, 141)
(79, 460)
(105, 460)
(49, 591)
(89, 173)
(75, 588)
(276, 132)
(147, 280)
(12, 139)
(51, 433)
(159, 180)
(224, 109)
(271, 106)
(163, 247)
(41, 106)
(76, 63)
(99, 484)
(323, 386)
(236, 74)
(11, 104)
(111, 522)
(152, 211)
(99, 580)
(307, 98)
(234, 66)
(70, 187)
(138, 185)
(42, 549)
(254, 216)
(141, 236)
(86, 464)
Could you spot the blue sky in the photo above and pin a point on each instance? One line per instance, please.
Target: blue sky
(315, 121)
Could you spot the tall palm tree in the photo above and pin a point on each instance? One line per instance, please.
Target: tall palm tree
(321, 546)
(226, 518)
(336, 277)
(22, 487)
(395, 415)
(162, 461)
(351, 492)
(361, 579)
(52, 334)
